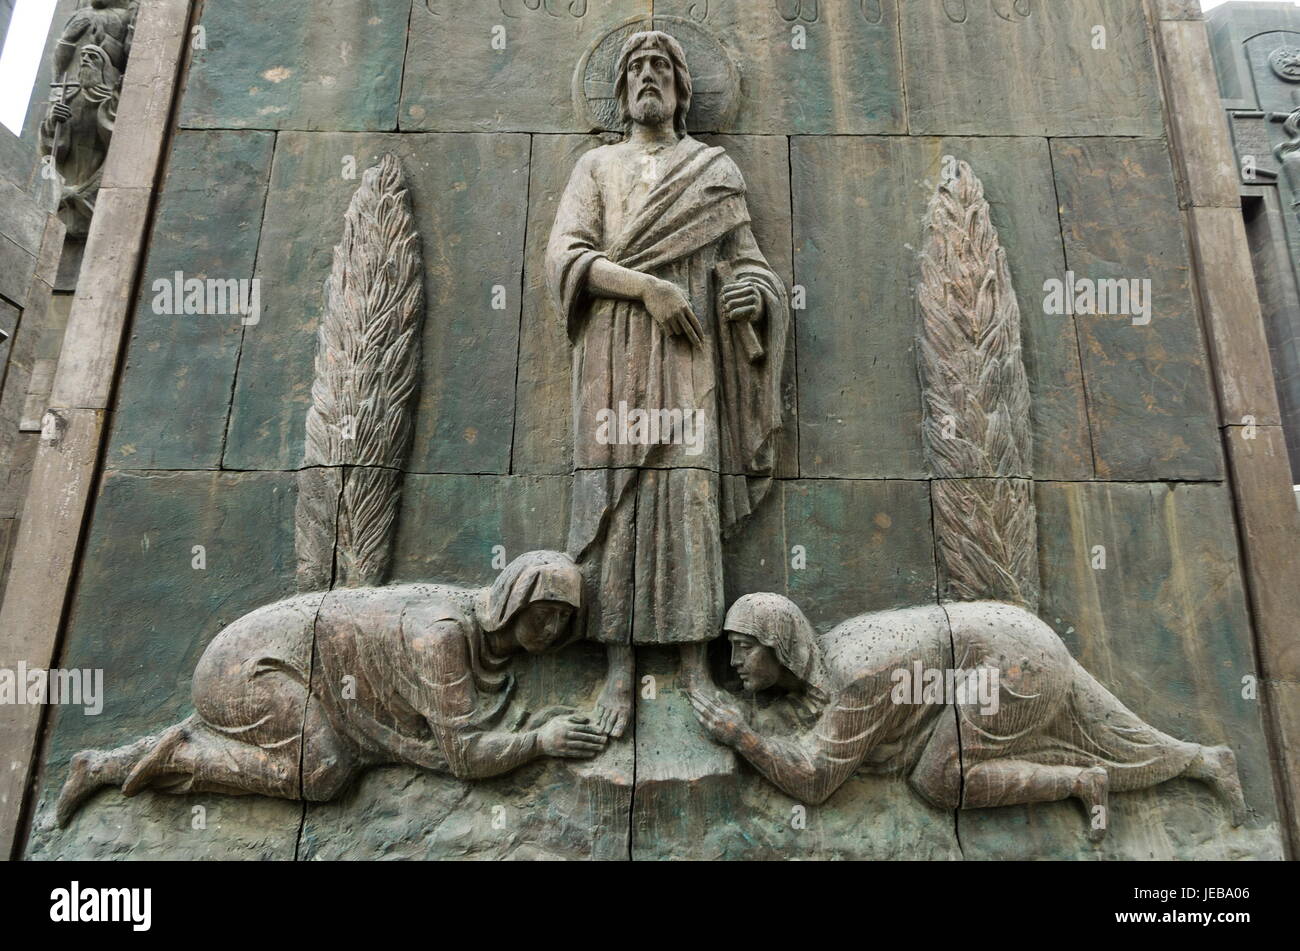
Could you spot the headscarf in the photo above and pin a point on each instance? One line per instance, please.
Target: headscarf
(776, 622)
(535, 576)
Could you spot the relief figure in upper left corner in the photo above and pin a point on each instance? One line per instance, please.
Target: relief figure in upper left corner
(89, 63)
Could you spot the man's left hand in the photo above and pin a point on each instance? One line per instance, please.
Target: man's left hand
(742, 300)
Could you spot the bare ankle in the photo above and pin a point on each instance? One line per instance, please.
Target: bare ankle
(694, 668)
(1091, 786)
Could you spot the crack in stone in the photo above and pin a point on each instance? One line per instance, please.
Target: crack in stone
(523, 287)
(311, 673)
(243, 328)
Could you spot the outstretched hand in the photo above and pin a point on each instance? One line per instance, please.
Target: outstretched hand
(720, 718)
(570, 736)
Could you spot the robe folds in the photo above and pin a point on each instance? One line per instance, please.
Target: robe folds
(402, 674)
(371, 676)
(650, 511)
(1043, 707)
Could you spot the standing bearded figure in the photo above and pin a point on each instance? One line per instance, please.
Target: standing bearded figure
(678, 326)
(89, 63)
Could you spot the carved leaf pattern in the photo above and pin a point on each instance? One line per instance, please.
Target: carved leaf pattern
(987, 536)
(367, 375)
(977, 403)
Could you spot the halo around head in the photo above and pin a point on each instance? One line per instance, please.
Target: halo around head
(715, 80)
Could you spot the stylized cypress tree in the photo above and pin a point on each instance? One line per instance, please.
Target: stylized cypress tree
(978, 435)
(367, 373)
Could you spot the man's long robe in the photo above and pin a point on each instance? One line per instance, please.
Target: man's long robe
(648, 520)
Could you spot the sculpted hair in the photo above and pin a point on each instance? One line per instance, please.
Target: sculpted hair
(654, 39)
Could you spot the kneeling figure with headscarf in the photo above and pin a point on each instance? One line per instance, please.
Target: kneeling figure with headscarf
(295, 698)
(839, 704)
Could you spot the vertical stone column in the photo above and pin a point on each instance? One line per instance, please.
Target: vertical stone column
(1249, 418)
(67, 459)
(28, 267)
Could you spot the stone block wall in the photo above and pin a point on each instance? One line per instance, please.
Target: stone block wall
(847, 112)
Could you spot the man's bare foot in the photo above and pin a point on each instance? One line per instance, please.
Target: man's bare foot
(693, 671)
(84, 778)
(613, 707)
(613, 710)
(1092, 788)
(1217, 767)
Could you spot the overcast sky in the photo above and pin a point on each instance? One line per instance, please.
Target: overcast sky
(1211, 4)
(19, 60)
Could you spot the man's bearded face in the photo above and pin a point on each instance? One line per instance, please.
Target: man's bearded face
(651, 87)
(90, 71)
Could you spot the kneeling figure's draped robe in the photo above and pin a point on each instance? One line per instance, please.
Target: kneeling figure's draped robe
(648, 519)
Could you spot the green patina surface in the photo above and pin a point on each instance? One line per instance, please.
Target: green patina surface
(175, 396)
(308, 65)
(840, 172)
(469, 195)
(1150, 402)
(1162, 627)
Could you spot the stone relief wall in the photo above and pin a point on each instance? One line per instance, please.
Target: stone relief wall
(367, 374)
(977, 406)
(1136, 568)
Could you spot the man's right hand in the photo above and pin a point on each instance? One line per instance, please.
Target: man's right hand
(570, 736)
(59, 112)
(672, 311)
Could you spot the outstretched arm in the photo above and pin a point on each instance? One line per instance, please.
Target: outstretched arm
(471, 751)
(808, 767)
(487, 753)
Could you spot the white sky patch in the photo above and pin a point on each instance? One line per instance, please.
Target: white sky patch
(1207, 5)
(24, 46)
